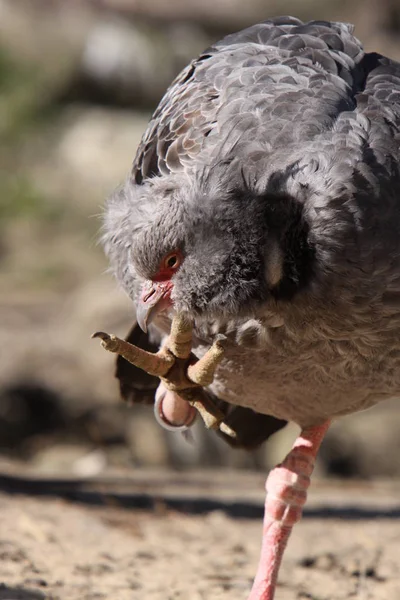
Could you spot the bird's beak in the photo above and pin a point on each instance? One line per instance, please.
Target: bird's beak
(154, 298)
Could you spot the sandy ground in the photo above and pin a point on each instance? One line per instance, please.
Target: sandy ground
(164, 536)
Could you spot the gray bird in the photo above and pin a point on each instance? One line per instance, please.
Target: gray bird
(263, 203)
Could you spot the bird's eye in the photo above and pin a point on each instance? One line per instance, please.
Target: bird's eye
(172, 261)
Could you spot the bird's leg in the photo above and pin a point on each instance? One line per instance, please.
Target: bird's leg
(179, 341)
(286, 487)
(172, 411)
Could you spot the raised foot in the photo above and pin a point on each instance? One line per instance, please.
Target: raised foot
(180, 371)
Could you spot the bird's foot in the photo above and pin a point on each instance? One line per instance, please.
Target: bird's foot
(286, 486)
(180, 371)
(155, 364)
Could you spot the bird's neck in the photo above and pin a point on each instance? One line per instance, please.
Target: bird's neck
(296, 252)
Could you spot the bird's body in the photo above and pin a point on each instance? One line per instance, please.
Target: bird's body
(264, 203)
(299, 110)
(303, 375)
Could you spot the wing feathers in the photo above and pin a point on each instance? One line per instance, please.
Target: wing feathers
(269, 78)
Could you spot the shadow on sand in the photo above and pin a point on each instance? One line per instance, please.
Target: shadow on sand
(80, 491)
(16, 593)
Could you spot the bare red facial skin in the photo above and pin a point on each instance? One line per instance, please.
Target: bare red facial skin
(169, 266)
(156, 293)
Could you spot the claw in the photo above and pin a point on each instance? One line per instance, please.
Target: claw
(155, 364)
(100, 334)
(109, 342)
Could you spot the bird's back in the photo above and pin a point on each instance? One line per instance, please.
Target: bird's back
(277, 83)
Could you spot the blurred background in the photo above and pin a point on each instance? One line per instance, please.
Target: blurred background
(78, 82)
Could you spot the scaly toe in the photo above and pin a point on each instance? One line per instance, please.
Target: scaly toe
(109, 342)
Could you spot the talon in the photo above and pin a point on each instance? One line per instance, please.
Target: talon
(227, 430)
(109, 342)
(155, 364)
(100, 334)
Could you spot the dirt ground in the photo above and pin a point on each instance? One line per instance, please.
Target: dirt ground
(162, 536)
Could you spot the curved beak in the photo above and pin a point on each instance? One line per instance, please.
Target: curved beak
(154, 298)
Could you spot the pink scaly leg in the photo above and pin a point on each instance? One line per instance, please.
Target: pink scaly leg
(286, 486)
(171, 411)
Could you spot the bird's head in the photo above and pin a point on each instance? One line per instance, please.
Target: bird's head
(209, 247)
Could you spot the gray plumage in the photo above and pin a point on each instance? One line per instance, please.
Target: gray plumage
(272, 162)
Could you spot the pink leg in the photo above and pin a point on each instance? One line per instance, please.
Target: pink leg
(286, 495)
(171, 411)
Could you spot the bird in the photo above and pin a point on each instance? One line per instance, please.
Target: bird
(263, 206)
